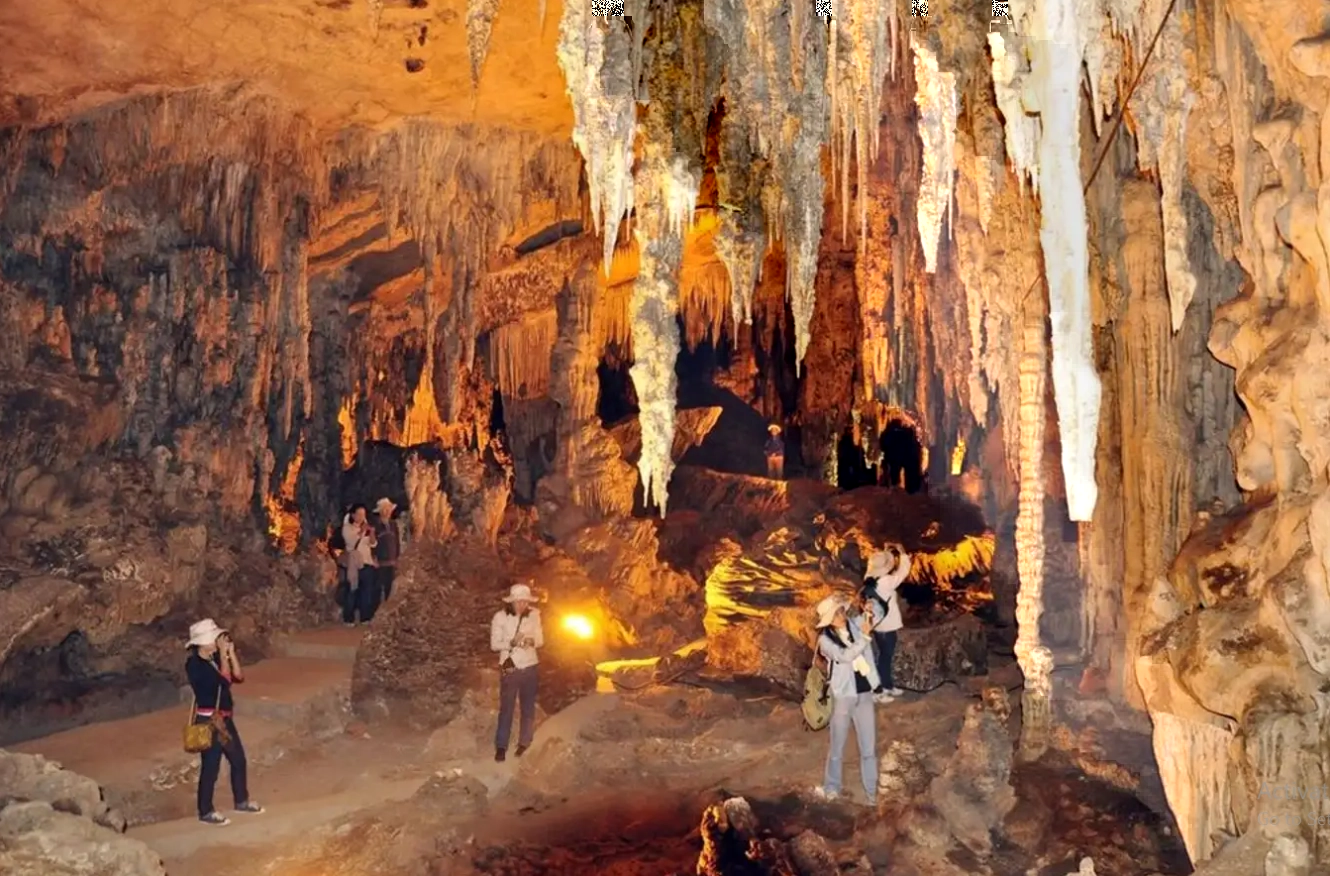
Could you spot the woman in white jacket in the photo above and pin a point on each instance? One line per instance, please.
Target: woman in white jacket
(846, 644)
(886, 570)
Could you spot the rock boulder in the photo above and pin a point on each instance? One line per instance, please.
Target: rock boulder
(54, 822)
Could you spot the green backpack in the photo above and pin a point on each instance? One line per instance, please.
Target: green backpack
(816, 704)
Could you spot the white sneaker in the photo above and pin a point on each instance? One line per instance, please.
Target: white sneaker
(822, 793)
(883, 698)
(896, 692)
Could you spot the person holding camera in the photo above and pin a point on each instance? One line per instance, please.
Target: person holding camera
(845, 643)
(361, 595)
(515, 635)
(887, 569)
(212, 668)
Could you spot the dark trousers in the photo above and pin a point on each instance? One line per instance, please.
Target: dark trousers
(385, 575)
(211, 768)
(363, 599)
(518, 686)
(884, 645)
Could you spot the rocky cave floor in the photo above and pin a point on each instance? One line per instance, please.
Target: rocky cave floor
(618, 783)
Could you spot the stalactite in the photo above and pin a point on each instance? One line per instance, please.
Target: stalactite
(862, 49)
(1056, 53)
(939, 106)
(668, 177)
(741, 237)
(520, 354)
(479, 25)
(776, 77)
(1160, 108)
(601, 63)
(1035, 660)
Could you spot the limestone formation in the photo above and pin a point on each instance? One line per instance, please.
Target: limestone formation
(55, 821)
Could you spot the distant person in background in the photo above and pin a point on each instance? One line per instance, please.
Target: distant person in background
(887, 569)
(361, 594)
(774, 450)
(212, 668)
(387, 547)
(515, 635)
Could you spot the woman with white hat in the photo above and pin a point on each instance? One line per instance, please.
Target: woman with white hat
(212, 668)
(886, 570)
(853, 680)
(515, 635)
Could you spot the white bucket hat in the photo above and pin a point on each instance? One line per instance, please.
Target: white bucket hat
(385, 502)
(827, 608)
(519, 593)
(203, 633)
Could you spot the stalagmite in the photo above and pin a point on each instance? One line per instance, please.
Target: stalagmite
(1053, 89)
(1035, 660)
(601, 63)
(939, 105)
(479, 25)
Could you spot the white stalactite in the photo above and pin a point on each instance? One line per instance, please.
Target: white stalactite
(654, 315)
(601, 65)
(479, 25)
(1054, 92)
(1010, 71)
(939, 105)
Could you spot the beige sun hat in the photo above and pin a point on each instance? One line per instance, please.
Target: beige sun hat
(203, 633)
(519, 593)
(827, 608)
(385, 502)
(774, 429)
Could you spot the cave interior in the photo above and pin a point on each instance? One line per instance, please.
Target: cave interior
(1025, 288)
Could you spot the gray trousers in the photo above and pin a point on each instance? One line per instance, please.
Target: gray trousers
(856, 710)
(518, 687)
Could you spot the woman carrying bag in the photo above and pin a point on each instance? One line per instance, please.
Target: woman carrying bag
(212, 667)
(846, 645)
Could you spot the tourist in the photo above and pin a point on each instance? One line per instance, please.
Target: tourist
(515, 634)
(886, 570)
(774, 450)
(361, 594)
(212, 668)
(387, 548)
(845, 645)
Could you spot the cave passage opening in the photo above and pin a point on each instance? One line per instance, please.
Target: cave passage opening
(902, 449)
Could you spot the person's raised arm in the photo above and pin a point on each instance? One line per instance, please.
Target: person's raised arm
(887, 584)
(231, 667)
(498, 641)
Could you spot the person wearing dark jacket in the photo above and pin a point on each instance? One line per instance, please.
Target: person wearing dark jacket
(212, 668)
(387, 548)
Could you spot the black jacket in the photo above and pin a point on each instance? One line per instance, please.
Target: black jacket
(207, 682)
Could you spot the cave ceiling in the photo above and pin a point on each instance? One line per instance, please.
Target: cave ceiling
(339, 63)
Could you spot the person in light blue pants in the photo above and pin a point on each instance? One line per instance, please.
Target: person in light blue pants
(853, 678)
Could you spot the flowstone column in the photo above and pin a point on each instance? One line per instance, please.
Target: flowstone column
(1035, 660)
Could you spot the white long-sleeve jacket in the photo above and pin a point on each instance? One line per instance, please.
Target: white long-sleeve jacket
(887, 582)
(505, 628)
